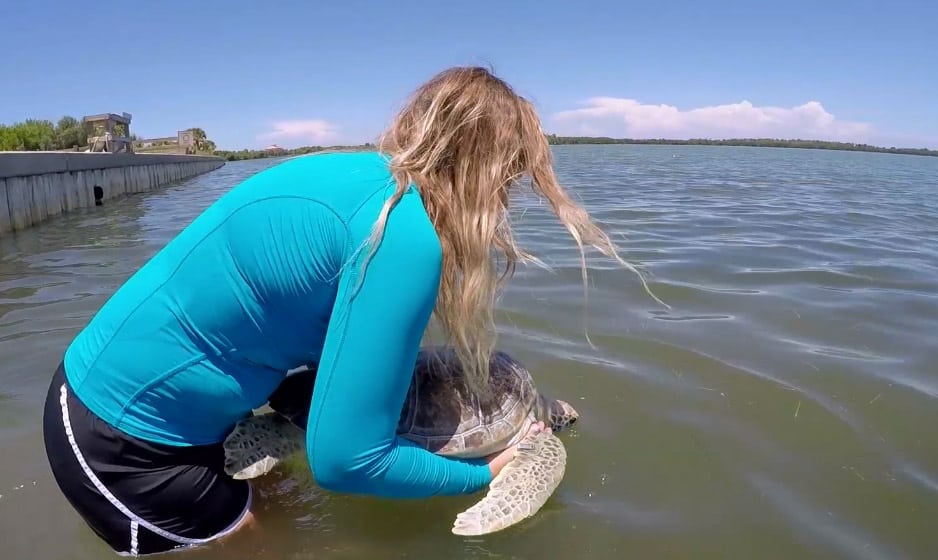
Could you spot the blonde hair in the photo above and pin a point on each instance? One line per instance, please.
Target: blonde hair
(463, 139)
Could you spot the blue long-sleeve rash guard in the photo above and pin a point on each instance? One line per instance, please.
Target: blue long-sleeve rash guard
(268, 278)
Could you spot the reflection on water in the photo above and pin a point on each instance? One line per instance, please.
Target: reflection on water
(781, 408)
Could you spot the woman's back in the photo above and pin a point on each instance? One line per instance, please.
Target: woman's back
(208, 327)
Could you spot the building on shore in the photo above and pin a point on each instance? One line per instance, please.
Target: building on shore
(109, 132)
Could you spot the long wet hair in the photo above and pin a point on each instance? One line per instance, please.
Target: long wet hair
(463, 139)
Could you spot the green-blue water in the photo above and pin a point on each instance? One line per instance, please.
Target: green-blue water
(784, 407)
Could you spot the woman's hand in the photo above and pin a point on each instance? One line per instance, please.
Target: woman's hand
(497, 461)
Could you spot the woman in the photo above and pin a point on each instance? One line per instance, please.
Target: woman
(336, 260)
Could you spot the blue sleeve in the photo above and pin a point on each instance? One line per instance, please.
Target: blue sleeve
(366, 367)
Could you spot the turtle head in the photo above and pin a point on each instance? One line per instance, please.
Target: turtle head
(562, 415)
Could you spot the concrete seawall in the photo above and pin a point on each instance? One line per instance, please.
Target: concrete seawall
(35, 186)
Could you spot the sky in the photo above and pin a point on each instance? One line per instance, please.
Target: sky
(299, 72)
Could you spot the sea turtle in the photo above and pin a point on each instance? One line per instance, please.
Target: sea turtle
(440, 416)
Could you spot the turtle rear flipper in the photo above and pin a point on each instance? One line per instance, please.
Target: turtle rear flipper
(257, 444)
(520, 489)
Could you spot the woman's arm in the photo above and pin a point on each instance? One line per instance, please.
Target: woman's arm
(366, 369)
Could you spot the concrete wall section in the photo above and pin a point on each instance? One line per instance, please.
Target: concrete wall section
(5, 221)
(21, 164)
(35, 186)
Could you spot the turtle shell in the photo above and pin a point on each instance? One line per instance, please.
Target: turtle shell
(439, 415)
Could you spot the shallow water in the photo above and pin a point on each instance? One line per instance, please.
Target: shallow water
(783, 407)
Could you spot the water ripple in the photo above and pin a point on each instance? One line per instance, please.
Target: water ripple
(825, 528)
(783, 403)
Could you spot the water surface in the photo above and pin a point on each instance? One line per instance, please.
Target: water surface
(783, 407)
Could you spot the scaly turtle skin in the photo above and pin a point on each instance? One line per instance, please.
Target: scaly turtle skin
(439, 415)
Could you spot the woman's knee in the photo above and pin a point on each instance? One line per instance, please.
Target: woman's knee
(292, 398)
(247, 524)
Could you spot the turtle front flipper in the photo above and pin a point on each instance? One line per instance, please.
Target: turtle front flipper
(258, 443)
(520, 489)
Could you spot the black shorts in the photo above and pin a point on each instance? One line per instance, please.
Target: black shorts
(140, 497)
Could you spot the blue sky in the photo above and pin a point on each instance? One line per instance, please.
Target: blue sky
(304, 72)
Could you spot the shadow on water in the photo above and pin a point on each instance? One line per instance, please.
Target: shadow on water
(780, 409)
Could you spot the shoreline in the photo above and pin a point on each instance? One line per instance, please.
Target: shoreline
(556, 140)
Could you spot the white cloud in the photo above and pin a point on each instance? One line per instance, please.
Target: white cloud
(312, 131)
(628, 118)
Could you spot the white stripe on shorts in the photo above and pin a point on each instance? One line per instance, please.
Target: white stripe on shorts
(135, 520)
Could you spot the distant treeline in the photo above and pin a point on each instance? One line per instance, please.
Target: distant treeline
(41, 134)
(69, 133)
(231, 155)
(753, 142)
